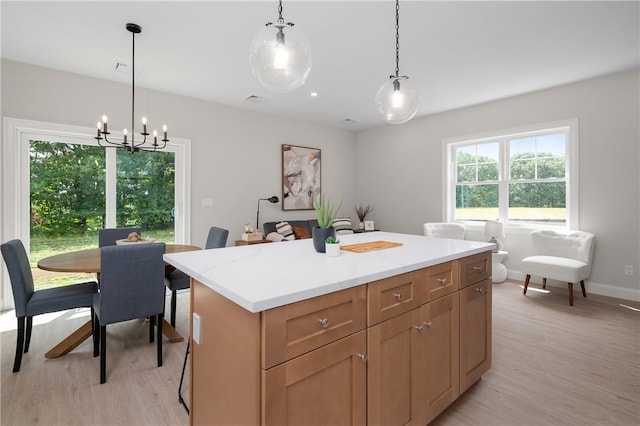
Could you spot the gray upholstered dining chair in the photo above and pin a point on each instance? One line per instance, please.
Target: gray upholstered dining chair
(29, 302)
(131, 286)
(178, 280)
(109, 236)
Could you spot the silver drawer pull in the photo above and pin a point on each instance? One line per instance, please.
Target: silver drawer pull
(363, 357)
(398, 296)
(428, 323)
(442, 280)
(419, 327)
(324, 322)
(477, 268)
(479, 290)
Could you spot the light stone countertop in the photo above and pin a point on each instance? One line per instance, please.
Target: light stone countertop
(264, 276)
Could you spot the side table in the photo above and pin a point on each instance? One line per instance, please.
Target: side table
(498, 269)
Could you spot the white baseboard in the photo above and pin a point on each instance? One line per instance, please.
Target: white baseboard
(591, 286)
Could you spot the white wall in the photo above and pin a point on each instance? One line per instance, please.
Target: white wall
(400, 169)
(236, 154)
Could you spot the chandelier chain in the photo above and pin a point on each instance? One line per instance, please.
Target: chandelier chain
(280, 18)
(397, 38)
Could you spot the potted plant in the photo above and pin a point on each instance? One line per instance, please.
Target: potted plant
(362, 213)
(325, 214)
(332, 246)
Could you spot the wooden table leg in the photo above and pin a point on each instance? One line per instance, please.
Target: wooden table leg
(71, 342)
(85, 331)
(171, 333)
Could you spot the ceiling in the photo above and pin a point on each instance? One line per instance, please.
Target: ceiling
(456, 54)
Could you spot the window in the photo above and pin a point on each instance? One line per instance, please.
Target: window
(67, 188)
(523, 177)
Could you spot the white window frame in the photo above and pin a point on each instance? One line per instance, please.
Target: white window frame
(571, 155)
(14, 181)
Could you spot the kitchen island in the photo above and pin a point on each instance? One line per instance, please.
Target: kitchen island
(284, 335)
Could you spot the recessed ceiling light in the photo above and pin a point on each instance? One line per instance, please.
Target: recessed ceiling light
(349, 121)
(314, 94)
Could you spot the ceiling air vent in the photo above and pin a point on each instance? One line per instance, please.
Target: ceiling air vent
(254, 99)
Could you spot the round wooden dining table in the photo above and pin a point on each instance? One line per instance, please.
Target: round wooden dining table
(88, 260)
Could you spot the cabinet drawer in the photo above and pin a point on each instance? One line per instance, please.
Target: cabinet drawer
(475, 268)
(294, 329)
(441, 280)
(395, 295)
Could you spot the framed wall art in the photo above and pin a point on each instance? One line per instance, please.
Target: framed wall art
(300, 177)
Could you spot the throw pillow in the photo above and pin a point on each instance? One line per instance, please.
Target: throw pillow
(342, 225)
(301, 232)
(285, 230)
(274, 236)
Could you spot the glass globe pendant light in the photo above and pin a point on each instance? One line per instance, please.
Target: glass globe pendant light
(280, 56)
(396, 100)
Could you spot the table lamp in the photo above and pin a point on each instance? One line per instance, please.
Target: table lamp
(494, 229)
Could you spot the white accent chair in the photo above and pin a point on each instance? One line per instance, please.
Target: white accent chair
(444, 230)
(560, 256)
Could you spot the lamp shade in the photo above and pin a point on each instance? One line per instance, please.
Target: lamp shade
(493, 228)
(280, 57)
(397, 101)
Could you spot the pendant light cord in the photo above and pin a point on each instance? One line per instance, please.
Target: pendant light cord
(397, 38)
(133, 86)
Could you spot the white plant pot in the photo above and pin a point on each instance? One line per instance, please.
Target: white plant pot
(332, 250)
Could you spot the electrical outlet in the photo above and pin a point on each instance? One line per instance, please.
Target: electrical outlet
(628, 269)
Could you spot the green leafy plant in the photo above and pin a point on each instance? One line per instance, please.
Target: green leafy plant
(332, 240)
(324, 211)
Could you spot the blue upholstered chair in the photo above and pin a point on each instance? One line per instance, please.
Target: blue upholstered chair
(178, 280)
(131, 286)
(109, 236)
(29, 303)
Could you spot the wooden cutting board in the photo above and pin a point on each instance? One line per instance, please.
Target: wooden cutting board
(370, 246)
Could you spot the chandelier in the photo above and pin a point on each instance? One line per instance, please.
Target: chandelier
(132, 145)
(397, 102)
(280, 56)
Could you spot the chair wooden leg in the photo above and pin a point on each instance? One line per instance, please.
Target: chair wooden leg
(526, 283)
(19, 344)
(571, 294)
(103, 354)
(160, 317)
(544, 283)
(584, 292)
(174, 296)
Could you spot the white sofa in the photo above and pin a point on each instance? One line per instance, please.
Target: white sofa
(444, 230)
(562, 256)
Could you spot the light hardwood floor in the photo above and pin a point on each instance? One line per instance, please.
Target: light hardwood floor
(552, 365)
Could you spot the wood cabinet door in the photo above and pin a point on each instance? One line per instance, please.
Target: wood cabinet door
(475, 332)
(326, 386)
(439, 364)
(394, 346)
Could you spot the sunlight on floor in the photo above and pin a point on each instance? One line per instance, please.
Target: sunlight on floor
(8, 318)
(539, 290)
(630, 307)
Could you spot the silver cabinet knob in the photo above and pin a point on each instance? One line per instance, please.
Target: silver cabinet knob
(477, 268)
(428, 323)
(324, 322)
(398, 296)
(419, 327)
(363, 357)
(479, 290)
(442, 280)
